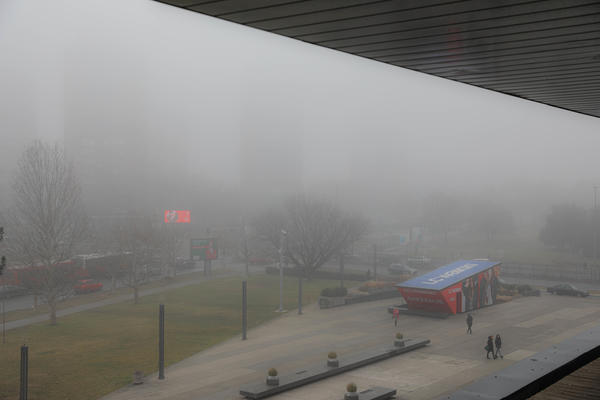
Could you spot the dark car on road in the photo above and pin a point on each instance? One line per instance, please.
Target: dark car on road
(568, 290)
(401, 269)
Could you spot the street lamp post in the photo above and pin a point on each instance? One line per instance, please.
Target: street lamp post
(375, 261)
(2, 258)
(595, 223)
(282, 247)
(246, 249)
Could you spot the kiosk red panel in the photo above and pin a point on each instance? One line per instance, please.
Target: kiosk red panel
(458, 287)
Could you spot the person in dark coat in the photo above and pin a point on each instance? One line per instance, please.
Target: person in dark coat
(490, 347)
(469, 323)
(498, 343)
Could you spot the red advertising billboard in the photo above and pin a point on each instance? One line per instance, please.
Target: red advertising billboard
(177, 217)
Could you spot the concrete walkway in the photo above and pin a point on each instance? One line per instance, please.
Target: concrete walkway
(294, 341)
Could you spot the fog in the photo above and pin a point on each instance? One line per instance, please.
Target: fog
(161, 108)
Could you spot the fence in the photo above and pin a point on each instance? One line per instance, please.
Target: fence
(564, 272)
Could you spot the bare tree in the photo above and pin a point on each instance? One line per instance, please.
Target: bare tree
(442, 214)
(110, 266)
(316, 230)
(490, 219)
(138, 240)
(170, 242)
(47, 220)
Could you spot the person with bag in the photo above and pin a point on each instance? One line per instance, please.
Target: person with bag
(469, 323)
(490, 347)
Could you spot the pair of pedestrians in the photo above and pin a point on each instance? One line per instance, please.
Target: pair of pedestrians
(489, 347)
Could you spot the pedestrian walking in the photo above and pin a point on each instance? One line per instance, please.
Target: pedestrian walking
(490, 347)
(469, 323)
(396, 314)
(498, 343)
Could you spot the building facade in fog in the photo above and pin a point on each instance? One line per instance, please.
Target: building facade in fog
(271, 153)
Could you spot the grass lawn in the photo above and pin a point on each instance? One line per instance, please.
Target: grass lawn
(92, 353)
(43, 309)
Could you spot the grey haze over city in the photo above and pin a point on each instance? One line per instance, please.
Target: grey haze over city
(162, 108)
(194, 208)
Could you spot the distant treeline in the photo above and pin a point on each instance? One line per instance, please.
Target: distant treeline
(572, 228)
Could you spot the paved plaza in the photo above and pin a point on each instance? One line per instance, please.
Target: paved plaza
(293, 341)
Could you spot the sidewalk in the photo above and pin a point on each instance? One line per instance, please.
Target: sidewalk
(294, 341)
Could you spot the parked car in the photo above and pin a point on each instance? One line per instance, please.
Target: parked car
(567, 289)
(87, 286)
(184, 263)
(401, 269)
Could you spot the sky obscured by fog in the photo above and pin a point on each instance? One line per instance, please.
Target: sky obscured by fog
(164, 108)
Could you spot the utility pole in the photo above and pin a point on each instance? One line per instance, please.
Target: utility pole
(595, 223)
(244, 310)
(2, 258)
(282, 247)
(207, 263)
(3, 321)
(24, 373)
(375, 261)
(161, 341)
(341, 269)
(300, 294)
(246, 248)
(2, 265)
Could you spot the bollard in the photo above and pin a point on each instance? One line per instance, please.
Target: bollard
(138, 377)
(24, 372)
(161, 341)
(244, 310)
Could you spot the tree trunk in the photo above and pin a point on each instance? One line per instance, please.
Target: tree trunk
(35, 302)
(52, 305)
(135, 295)
(113, 283)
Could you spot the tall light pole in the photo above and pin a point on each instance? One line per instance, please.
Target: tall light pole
(375, 261)
(246, 248)
(2, 258)
(282, 247)
(595, 223)
(2, 265)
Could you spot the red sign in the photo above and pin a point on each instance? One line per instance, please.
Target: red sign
(177, 217)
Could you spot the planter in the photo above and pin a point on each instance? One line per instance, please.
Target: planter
(327, 302)
(399, 342)
(351, 396)
(333, 362)
(272, 380)
(138, 377)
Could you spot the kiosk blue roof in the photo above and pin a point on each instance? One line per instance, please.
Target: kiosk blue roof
(448, 275)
